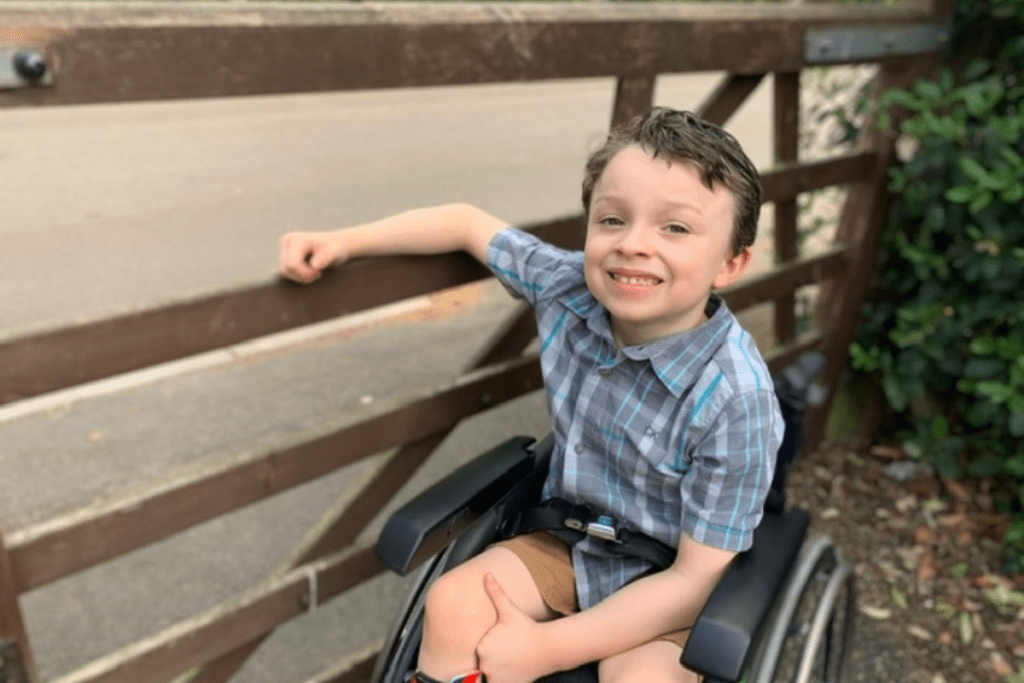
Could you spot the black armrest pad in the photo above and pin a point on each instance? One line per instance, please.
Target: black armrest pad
(457, 498)
(726, 629)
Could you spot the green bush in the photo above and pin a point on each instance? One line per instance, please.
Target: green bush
(944, 328)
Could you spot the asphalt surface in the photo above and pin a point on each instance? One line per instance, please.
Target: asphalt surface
(110, 209)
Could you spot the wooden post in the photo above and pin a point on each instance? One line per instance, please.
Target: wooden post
(860, 227)
(787, 140)
(16, 665)
(633, 96)
(728, 96)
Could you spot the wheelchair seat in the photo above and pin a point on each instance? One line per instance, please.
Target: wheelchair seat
(783, 610)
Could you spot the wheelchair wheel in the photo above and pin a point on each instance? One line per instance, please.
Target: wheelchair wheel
(811, 632)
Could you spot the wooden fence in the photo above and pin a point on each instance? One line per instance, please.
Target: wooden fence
(99, 52)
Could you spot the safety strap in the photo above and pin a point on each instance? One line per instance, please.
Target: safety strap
(572, 523)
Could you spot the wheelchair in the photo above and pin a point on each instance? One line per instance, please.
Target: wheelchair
(783, 611)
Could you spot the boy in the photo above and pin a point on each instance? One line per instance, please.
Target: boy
(663, 412)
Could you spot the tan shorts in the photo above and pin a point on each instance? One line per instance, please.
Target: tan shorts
(550, 564)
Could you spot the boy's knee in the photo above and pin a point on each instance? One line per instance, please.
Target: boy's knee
(455, 605)
(656, 665)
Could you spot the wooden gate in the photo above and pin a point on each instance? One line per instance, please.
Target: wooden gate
(102, 52)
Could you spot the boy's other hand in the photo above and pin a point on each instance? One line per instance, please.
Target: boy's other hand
(302, 256)
(512, 650)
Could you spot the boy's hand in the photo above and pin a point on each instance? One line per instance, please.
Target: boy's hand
(302, 256)
(512, 651)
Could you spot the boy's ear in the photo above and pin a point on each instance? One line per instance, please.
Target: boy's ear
(732, 269)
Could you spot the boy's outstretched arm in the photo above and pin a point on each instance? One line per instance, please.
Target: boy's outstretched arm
(302, 256)
(519, 650)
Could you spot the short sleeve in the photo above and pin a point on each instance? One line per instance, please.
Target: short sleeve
(526, 265)
(724, 490)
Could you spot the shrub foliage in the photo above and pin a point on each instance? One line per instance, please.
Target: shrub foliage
(944, 328)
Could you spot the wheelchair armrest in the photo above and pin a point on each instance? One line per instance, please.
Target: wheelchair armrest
(728, 626)
(430, 520)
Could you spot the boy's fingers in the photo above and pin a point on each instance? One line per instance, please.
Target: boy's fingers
(496, 593)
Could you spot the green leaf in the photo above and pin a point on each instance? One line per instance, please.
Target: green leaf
(1015, 466)
(927, 90)
(986, 466)
(981, 202)
(976, 69)
(996, 391)
(983, 346)
(984, 368)
(960, 194)
(1016, 427)
(977, 172)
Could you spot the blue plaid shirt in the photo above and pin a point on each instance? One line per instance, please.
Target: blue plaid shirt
(678, 435)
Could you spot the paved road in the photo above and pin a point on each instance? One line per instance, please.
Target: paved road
(115, 208)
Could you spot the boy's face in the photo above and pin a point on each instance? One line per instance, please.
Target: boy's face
(658, 241)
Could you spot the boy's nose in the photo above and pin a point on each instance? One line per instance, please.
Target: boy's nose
(634, 241)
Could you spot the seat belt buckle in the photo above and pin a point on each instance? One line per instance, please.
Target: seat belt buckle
(603, 528)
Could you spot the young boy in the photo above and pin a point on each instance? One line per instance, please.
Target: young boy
(663, 412)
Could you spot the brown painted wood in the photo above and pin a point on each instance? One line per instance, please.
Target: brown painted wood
(861, 224)
(633, 96)
(12, 623)
(788, 180)
(224, 628)
(728, 96)
(57, 548)
(65, 357)
(777, 359)
(105, 53)
(786, 122)
(787, 278)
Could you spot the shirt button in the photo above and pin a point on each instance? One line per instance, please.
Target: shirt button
(604, 372)
(579, 448)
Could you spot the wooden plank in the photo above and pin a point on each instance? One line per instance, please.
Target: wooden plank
(728, 96)
(56, 548)
(786, 278)
(49, 361)
(861, 223)
(16, 655)
(633, 96)
(788, 180)
(100, 52)
(355, 667)
(778, 358)
(225, 627)
(786, 122)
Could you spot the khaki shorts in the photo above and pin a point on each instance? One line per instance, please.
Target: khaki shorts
(550, 564)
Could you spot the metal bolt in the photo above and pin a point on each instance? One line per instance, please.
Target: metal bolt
(29, 65)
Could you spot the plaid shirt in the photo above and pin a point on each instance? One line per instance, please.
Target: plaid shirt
(679, 435)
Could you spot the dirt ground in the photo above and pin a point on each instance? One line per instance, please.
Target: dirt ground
(933, 606)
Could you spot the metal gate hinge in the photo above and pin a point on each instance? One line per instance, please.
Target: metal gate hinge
(868, 43)
(22, 67)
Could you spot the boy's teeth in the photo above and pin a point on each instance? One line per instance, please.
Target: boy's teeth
(636, 280)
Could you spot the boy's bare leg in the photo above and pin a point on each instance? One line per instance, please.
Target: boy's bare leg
(459, 611)
(654, 662)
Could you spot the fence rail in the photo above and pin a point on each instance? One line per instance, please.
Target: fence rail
(113, 52)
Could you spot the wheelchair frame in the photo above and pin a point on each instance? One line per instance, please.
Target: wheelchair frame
(783, 611)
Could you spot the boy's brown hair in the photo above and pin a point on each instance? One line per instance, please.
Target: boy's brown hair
(683, 136)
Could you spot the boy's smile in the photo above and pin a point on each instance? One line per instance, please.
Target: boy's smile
(658, 241)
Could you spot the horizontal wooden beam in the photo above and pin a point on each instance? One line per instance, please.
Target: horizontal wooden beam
(787, 181)
(64, 545)
(786, 278)
(103, 52)
(40, 363)
(232, 624)
(777, 359)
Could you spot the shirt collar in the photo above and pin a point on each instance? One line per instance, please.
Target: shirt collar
(676, 360)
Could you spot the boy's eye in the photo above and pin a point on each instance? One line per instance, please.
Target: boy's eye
(611, 220)
(678, 228)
